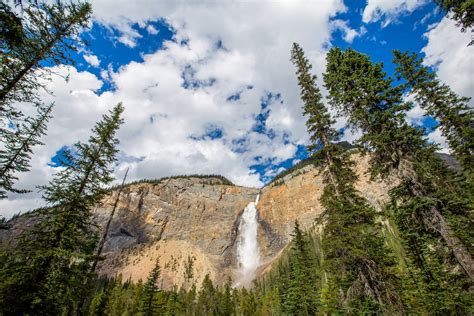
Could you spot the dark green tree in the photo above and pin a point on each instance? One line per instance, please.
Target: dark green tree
(49, 32)
(302, 294)
(361, 90)
(461, 11)
(149, 305)
(455, 116)
(207, 303)
(355, 257)
(48, 270)
(226, 302)
(43, 34)
(16, 154)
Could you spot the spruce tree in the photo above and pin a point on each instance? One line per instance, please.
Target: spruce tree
(149, 304)
(455, 116)
(207, 302)
(361, 90)
(15, 156)
(355, 257)
(42, 34)
(461, 11)
(48, 270)
(48, 33)
(302, 294)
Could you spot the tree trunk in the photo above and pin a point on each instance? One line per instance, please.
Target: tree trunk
(436, 221)
(107, 226)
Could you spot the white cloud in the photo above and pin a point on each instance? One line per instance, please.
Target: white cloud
(388, 10)
(348, 33)
(151, 30)
(92, 60)
(437, 138)
(164, 121)
(448, 53)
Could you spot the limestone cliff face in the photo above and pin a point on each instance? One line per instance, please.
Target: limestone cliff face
(297, 198)
(198, 219)
(172, 220)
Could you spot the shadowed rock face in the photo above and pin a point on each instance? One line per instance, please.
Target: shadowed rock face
(198, 219)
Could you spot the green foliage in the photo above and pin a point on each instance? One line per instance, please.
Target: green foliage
(49, 268)
(44, 34)
(462, 11)
(427, 223)
(149, 304)
(452, 111)
(41, 34)
(301, 296)
(15, 155)
(356, 262)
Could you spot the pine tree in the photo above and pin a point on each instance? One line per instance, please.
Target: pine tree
(302, 294)
(15, 156)
(49, 33)
(41, 34)
(226, 302)
(47, 271)
(149, 304)
(355, 257)
(462, 11)
(319, 122)
(361, 91)
(455, 116)
(207, 303)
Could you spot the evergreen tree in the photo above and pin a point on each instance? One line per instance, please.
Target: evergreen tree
(41, 34)
(455, 116)
(48, 270)
(319, 122)
(361, 90)
(462, 11)
(355, 257)
(15, 156)
(226, 302)
(149, 304)
(49, 32)
(207, 303)
(302, 294)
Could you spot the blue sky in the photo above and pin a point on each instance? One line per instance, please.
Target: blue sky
(208, 87)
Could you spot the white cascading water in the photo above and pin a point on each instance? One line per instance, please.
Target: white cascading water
(248, 252)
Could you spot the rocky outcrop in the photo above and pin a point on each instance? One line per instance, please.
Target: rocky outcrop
(197, 219)
(297, 198)
(173, 220)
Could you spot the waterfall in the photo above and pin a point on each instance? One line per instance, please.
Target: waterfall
(248, 253)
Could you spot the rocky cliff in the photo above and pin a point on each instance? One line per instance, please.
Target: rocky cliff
(197, 219)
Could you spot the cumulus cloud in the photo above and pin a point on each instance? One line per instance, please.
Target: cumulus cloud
(447, 52)
(92, 60)
(219, 98)
(437, 138)
(348, 33)
(151, 29)
(388, 10)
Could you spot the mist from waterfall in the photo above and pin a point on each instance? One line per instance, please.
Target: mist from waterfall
(248, 252)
